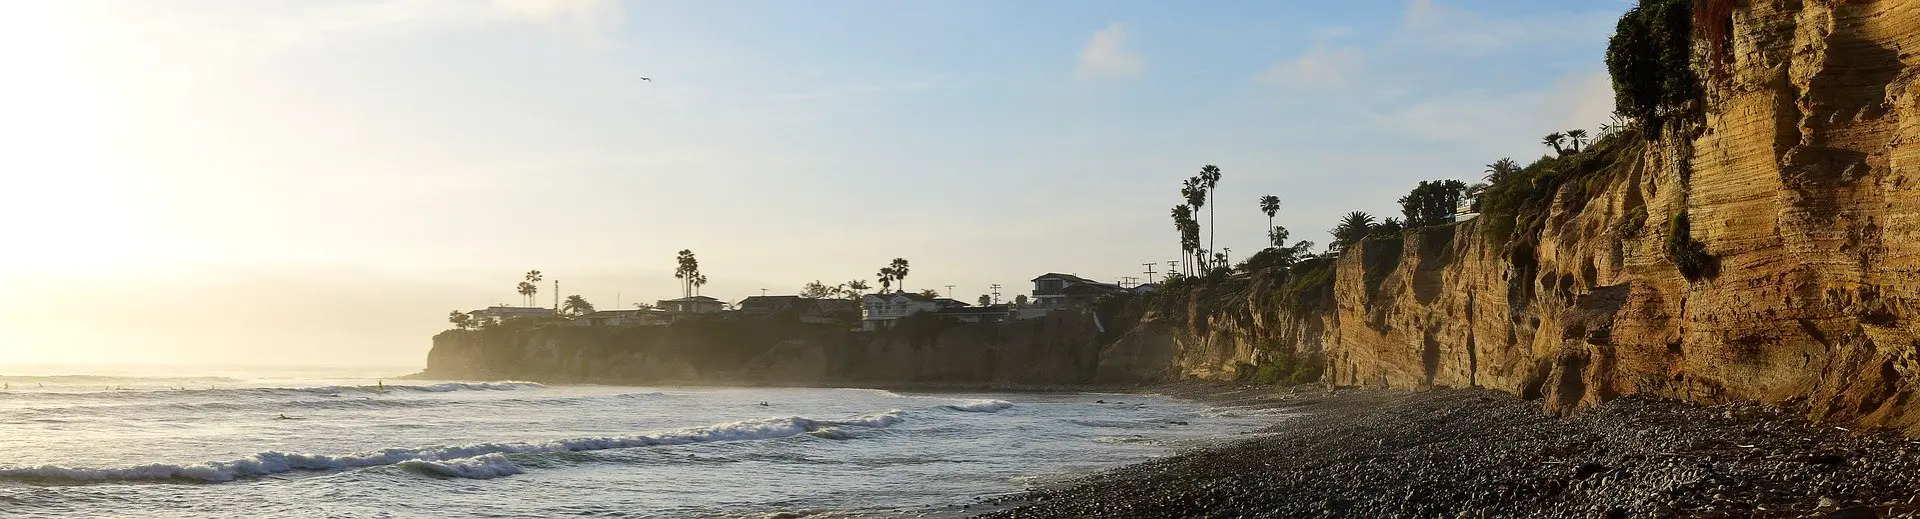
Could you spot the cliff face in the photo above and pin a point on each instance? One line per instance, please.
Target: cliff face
(1061, 348)
(1800, 183)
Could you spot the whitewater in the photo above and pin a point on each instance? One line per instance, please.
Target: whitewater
(351, 443)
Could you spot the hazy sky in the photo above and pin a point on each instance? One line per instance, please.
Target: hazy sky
(278, 182)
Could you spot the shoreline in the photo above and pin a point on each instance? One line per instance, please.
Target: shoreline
(1483, 453)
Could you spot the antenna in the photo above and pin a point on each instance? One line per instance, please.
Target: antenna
(949, 291)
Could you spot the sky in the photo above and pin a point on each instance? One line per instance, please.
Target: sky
(283, 182)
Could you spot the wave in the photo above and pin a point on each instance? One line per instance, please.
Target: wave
(980, 406)
(159, 392)
(102, 379)
(484, 466)
(454, 459)
(443, 387)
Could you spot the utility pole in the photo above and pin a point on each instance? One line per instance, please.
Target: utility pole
(556, 295)
(763, 292)
(1149, 272)
(1228, 251)
(996, 293)
(949, 293)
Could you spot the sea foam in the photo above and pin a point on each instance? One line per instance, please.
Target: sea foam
(484, 466)
(980, 406)
(460, 461)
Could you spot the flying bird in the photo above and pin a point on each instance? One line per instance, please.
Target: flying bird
(647, 79)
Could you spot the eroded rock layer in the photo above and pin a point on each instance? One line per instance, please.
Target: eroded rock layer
(1800, 182)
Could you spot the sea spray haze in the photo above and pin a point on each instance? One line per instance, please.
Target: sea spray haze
(349, 446)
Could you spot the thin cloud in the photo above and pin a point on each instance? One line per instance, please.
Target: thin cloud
(1106, 56)
(1322, 69)
(1445, 27)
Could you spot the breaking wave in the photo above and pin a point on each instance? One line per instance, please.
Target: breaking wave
(484, 466)
(980, 406)
(458, 461)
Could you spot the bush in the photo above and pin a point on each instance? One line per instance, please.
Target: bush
(1650, 60)
(1633, 221)
(1688, 255)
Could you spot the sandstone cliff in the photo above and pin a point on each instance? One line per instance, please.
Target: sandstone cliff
(1795, 183)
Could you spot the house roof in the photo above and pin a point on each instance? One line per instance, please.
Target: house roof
(1070, 278)
(754, 300)
(694, 299)
(908, 295)
(515, 310)
(948, 301)
(597, 314)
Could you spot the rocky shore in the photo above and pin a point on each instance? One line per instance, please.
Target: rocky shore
(1478, 453)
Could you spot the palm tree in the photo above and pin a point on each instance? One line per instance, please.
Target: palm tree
(576, 305)
(1181, 215)
(526, 291)
(1195, 191)
(1271, 205)
(899, 272)
(689, 267)
(1354, 227)
(886, 279)
(699, 280)
(1210, 175)
(855, 289)
(530, 287)
(1501, 169)
(1554, 139)
(1579, 137)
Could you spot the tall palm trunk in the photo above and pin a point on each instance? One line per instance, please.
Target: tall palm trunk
(1211, 206)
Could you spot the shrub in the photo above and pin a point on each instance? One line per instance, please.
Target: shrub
(1688, 255)
(1650, 60)
(1633, 221)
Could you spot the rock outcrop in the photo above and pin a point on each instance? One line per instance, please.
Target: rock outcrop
(1061, 348)
(1801, 184)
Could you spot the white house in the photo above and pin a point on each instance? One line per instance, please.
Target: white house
(881, 309)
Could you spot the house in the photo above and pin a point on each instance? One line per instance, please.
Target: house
(882, 309)
(1056, 290)
(809, 309)
(691, 305)
(977, 314)
(624, 318)
(502, 313)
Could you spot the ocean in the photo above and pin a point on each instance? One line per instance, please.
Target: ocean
(346, 443)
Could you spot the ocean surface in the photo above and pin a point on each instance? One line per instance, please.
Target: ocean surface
(347, 443)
